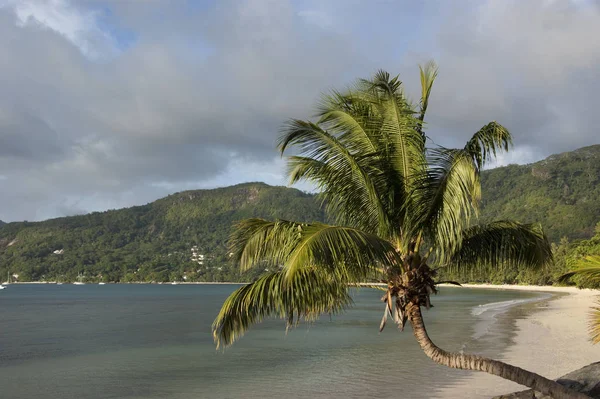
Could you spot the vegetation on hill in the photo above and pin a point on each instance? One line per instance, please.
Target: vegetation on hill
(154, 242)
(562, 191)
(568, 256)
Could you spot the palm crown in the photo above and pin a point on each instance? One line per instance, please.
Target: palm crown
(399, 207)
(400, 210)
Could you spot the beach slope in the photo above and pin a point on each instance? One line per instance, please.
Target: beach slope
(552, 341)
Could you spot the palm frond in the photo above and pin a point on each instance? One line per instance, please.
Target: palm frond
(310, 293)
(588, 271)
(594, 323)
(255, 241)
(294, 246)
(428, 75)
(343, 195)
(502, 244)
(399, 128)
(352, 117)
(445, 198)
(485, 144)
(347, 180)
(350, 251)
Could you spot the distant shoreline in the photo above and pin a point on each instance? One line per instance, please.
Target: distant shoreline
(537, 288)
(133, 282)
(516, 287)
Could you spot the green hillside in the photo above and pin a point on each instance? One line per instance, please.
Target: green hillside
(562, 192)
(153, 242)
(157, 241)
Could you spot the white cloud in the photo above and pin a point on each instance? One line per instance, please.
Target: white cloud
(316, 17)
(521, 155)
(198, 99)
(78, 26)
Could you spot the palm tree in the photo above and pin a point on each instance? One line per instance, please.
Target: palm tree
(588, 272)
(400, 211)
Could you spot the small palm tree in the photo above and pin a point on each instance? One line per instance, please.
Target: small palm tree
(588, 272)
(401, 210)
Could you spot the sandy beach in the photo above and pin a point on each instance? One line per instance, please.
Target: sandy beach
(551, 341)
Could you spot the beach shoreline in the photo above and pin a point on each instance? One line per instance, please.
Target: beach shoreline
(534, 288)
(546, 288)
(551, 339)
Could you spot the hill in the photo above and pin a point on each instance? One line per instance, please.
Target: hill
(153, 242)
(562, 192)
(183, 236)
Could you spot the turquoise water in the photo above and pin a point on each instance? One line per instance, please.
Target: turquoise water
(154, 341)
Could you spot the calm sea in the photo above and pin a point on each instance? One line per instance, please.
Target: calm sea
(154, 341)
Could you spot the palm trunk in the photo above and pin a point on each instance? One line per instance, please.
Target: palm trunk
(472, 362)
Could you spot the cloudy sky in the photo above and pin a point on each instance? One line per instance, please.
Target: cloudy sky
(106, 104)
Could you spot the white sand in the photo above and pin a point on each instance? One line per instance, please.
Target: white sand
(552, 341)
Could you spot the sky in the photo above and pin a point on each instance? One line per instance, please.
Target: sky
(108, 104)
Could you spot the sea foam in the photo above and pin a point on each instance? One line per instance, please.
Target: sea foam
(487, 313)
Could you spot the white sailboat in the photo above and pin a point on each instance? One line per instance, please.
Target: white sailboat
(7, 281)
(79, 282)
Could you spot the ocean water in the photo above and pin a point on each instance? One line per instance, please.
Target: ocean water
(154, 341)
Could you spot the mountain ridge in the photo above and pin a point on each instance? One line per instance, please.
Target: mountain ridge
(562, 192)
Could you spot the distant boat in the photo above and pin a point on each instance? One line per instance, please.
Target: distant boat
(2, 287)
(174, 283)
(79, 278)
(101, 283)
(58, 283)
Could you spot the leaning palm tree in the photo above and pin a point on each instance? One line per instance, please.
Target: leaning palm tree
(588, 272)
(400, 209)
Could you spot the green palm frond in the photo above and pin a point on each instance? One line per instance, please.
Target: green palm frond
(257, 240)
(399, 128)
(490, 139)
(588, 270)
(344, 193)
(310, 293)
(347, 179)
(589, 273)
(353, 252)
(594, 323)
(428, 73)
(502, 244)
(353, 117)
(445, 198)
(294, 246)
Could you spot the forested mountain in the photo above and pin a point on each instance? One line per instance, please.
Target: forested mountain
(562, 192)
(183, 236)
(154, 242)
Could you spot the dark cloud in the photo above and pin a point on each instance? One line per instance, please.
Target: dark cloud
(109, 103)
